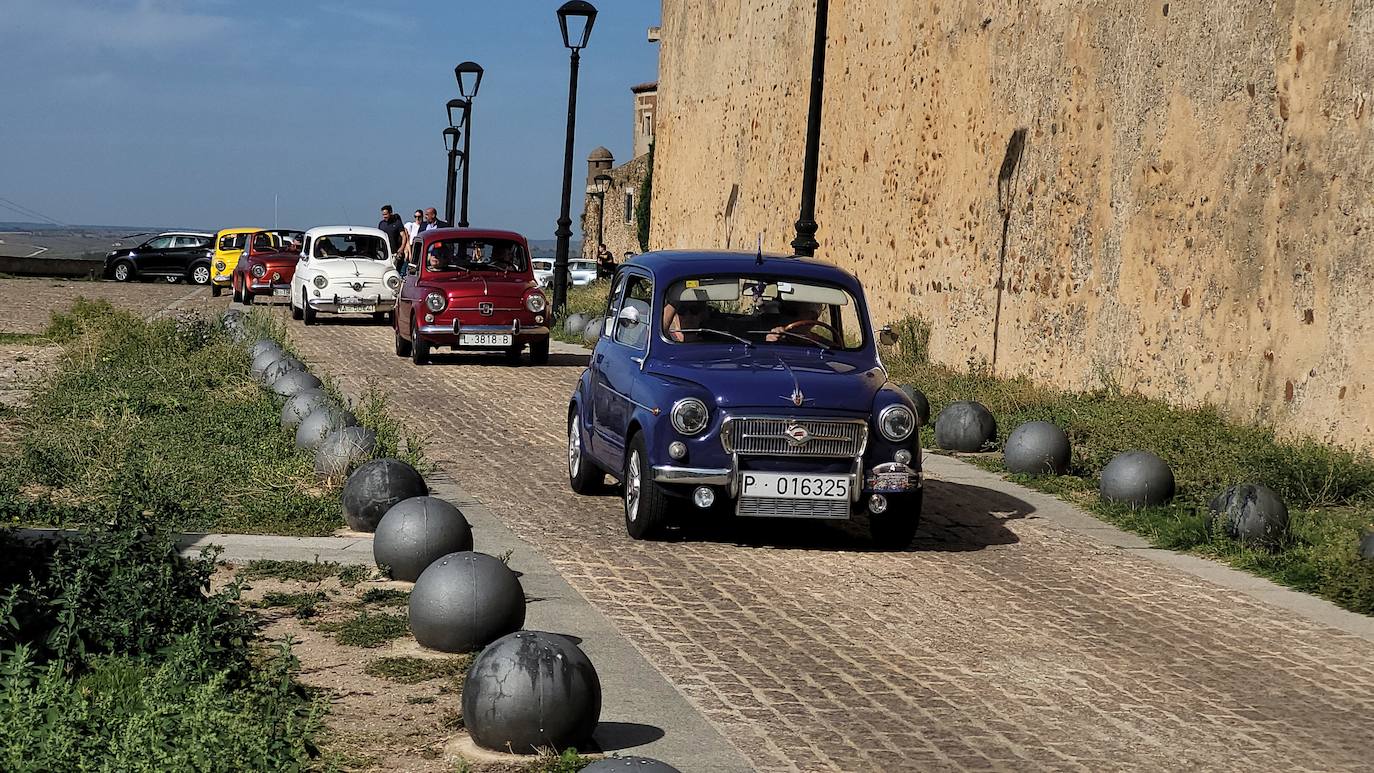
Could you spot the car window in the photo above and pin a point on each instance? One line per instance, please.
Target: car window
(363, 246)
(613, 303)
(639, 293)
(767, 310)
(468, 255)
(187, 241)
(231, 242)
(264, 242)
(160, 243)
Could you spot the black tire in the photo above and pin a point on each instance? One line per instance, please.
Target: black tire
(307, 313)
(513, 354)
(894, 529)
(584, 477)
(647, 507)
(199, 274)
(123, 271)
(380, 316)
(402, 345)
(234, 284)
(539, 352)
(247, 297)
(419, 350)
(216, 291)
(295, 310)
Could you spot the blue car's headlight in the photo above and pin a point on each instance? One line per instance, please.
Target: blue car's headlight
(896, 422)
(690, 416)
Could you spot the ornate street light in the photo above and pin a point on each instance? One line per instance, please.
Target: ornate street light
(469, 77)
(451, 135)
(600, 184)
(805, 243)
(575, 20)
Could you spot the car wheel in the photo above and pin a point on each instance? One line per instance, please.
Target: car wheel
(307, 313)
(646, 505)
(123, 271)
(216, 291)
(247, 297)
(402, 345)
(539, 352)
(894, 529)
(200, 275)
(419, 350)
(584, 477)
(295, 310)
(513, 354)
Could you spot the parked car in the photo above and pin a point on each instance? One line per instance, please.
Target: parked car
(543, 271)
(726, 380)
(289, 239)
(228, 243)
(344, 269)
(472, 290)
(581, 272)
(264, 267)
(172, 255)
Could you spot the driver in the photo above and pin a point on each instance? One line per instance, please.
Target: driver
(434, 260)
(800, 318)
(685, 315)
(325, 249)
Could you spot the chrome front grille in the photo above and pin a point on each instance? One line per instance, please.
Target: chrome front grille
(761, 507)
(778, 436)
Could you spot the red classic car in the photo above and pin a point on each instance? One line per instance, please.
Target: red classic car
(471, 289)
(264, 268)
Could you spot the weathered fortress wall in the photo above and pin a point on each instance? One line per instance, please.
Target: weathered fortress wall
(1191, 213)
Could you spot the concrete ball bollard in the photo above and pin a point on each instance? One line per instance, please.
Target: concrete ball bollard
(1252, 514)
(261, 362)
(575, 323)
(317, 425)
(592, 331)
(531, 690)
(279, 368)
(464, 601)
(1367, 546)
(374, 487)
(299, 405)
(629, 765)
(1138, 479)
(918, 399)
(1037, 448)
(342, 450)
(965, 426)
(416, 532)
(295, 381)
(263, 345)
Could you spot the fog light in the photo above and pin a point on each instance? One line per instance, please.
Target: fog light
(902, 457)
(677, 449)
(429, 317)
(877, 504)
(539, 319)
(703, 497)
(317, 293)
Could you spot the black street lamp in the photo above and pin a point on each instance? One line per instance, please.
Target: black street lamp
(469, 77)
(577, 17)
(805, 243)
(451, 145)
(600, 184)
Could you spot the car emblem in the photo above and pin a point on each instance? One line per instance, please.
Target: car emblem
(358, 286)
(485, 308)
(797, 397)
(797, 435)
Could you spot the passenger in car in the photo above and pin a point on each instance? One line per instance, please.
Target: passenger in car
(685, 315)
(793, 312)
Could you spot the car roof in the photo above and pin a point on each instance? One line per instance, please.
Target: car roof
(670, 265)
(471, 233)
(186, 233)
(320, 230)
(239, 230)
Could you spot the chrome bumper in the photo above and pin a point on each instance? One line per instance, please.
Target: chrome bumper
(513, 329)
(886, 478)
(332, 304)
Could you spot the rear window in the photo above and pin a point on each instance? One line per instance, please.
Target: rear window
(232, 242)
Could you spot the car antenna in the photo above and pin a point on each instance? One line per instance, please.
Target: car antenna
(758, 258)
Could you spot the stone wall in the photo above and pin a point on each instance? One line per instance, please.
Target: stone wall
(1175, 197)
(621, 235)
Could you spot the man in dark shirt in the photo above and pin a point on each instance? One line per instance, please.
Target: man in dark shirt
(395, 229)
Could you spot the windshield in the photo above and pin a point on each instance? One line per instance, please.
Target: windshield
(543, 265)
(581, 265)
(365, 246)
(475, 255)
(762, 310)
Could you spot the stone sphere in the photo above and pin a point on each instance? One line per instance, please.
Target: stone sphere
(317, 425)
(574, 323)
(295, 381)
(592, 330)
(374, 487)
(629, 765)
(261, 362)
(416, 532)
(1138, 479)
(1251, 513)
(281, 367)
(299, 405)
(1367, 546)
(263, 345)
(342, 450)
(530, 690)
(464, 601)
(919, 400)
(965, 426)
(1037, 448)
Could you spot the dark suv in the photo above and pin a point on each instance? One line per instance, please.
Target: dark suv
(173, 256)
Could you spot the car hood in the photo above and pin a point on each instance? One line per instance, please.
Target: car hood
(772, 380)
(345, 268)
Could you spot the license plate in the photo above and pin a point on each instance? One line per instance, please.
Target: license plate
(365, 309)
(484, 339)
(772, 485)
(282, 292)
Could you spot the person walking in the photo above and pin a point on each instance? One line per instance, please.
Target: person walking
(432, 220)
(412, 233)
(395, 230)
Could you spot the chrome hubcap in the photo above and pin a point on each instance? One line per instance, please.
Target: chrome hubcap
(202, 275)
(574, 447)
(632, 487)
(121, 272)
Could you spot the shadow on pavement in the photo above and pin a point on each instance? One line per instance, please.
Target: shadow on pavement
(617, 736)
(498, 360)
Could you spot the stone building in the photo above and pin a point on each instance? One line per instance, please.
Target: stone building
(1176, 198)
(610, 209)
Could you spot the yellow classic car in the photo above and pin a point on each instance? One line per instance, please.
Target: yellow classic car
(228, 244)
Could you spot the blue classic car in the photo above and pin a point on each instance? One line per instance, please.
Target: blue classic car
(749, 382)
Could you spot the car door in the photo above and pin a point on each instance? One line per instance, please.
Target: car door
(185, 249)
(153, 254)
(619, 354)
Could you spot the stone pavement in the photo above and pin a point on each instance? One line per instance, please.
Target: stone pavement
(28, 303)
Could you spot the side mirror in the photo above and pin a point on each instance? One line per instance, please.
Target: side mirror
(629, 315)
(412, 269)
(887, 336)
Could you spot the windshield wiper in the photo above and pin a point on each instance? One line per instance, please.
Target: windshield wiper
(799, 336)
(744, 341)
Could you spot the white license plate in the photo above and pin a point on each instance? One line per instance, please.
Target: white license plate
(484, 339)
(772, 485)
(282, 292)
(364, 309)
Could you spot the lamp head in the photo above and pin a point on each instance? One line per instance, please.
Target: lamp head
(602, 183)
(456, 104)
(575, 20)
(469, 75)
(451, 135)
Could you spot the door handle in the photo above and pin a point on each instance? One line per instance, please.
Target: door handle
(599, 358)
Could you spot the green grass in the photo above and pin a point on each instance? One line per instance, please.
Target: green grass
(300, 571)
(407, 670)
(1329, 491)
(368, 629)
(589, 300)
(305, 604)
(386, 597)
(22, 338)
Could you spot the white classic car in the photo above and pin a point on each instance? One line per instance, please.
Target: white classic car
(344, 269)
(543, 271)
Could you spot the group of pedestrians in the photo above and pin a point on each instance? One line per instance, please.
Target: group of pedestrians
(404, 234)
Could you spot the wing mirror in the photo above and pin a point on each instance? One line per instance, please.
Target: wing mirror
(412, 269)
(887, 336)
(630, 315)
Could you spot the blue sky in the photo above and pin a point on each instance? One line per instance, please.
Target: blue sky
(193, 114)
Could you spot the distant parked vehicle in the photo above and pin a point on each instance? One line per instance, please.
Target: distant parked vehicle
(344, 269)
(227, 246)
(172, 256)
(543, 271)
(264, 268)
(581, 272)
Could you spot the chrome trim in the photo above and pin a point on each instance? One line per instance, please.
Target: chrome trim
(626, 398)
(826, 439)
(499, 329)
(494, 309)
(667, 473)
(915, 422)
(818, 509)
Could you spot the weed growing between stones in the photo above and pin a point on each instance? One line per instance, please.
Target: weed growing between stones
(304, 604)
(368, 629)
(407, 670)
(386, 597)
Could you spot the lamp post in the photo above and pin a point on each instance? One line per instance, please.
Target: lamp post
(805, 243)
(600, 184)
(469, 77)
(574, 13)
(451, 181)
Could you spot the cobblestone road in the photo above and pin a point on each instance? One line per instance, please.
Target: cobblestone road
(1000, 641)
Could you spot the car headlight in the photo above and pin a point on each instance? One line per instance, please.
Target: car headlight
(896, 422)
(393, 281)
(436, 302)
(690, 416)
(536, 303)
(320, 281)
(259, 270)
(219, 266)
